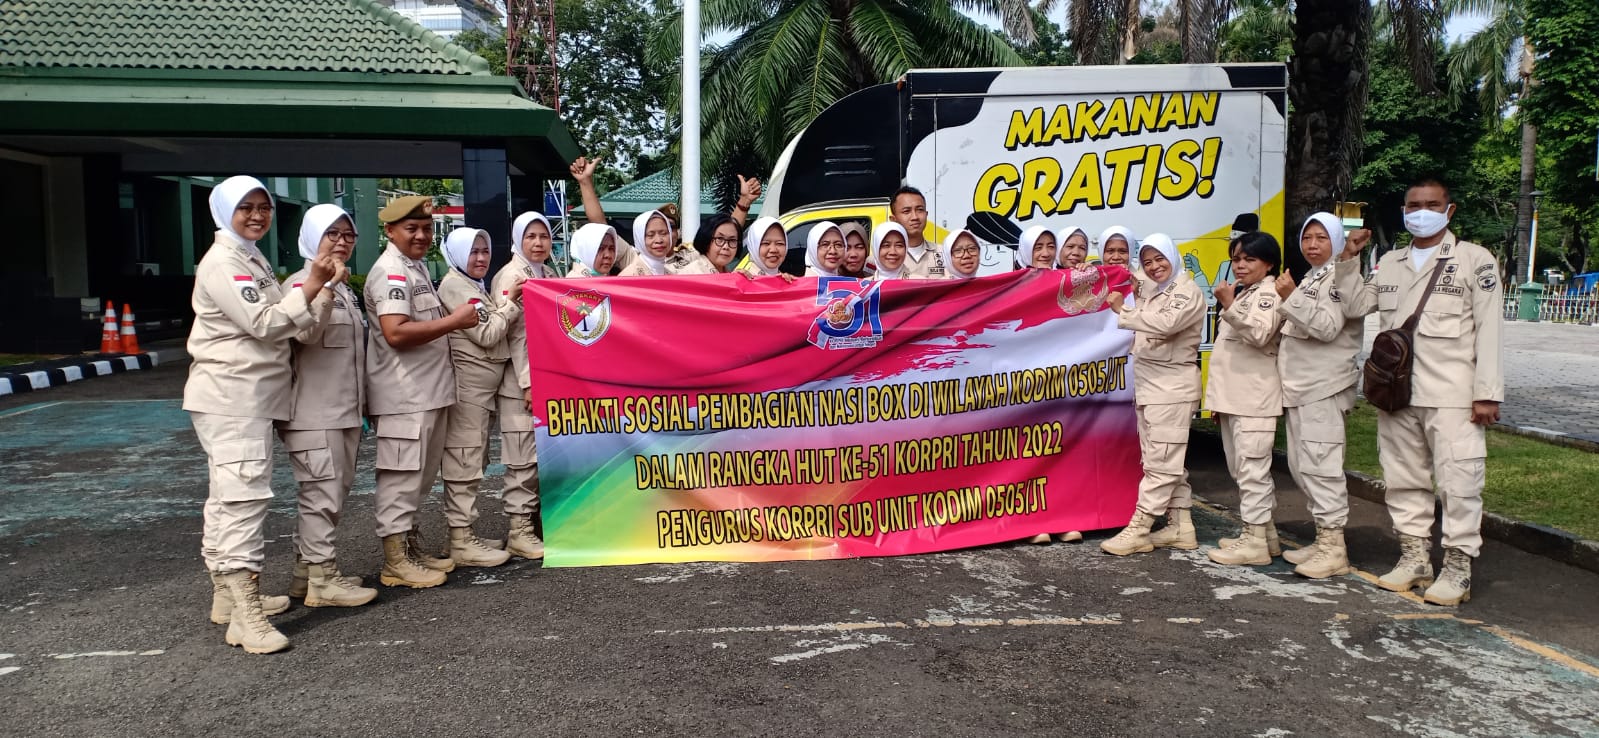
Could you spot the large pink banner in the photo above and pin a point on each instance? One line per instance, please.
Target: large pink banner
(722, 419)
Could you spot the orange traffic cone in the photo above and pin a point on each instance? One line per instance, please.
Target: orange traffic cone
(130, 339)
(110, 342)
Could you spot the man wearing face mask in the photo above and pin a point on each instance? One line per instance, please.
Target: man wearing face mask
(1456, 389)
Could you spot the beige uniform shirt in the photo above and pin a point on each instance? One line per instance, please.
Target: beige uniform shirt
(1243, 364)
(482, 353)
(243, 321)
(688, 260)
(579, 271)
(1458, 357)
(516, 382)
(1166, 346)
(930, 265)
(330, 362)
(1323, 329)
(419, 378)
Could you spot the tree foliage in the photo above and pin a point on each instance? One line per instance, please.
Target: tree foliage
(1565, 107)
(612, 98)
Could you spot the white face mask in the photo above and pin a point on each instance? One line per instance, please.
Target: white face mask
(1425, 223)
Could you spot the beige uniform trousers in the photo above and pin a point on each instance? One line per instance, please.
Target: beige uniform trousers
(1163, 439)
(324, 467)
(466, 450)
(239, 452)
(1247, 441)
(1418, 445)
(410, 450)
(1316, 456)
(521, 495)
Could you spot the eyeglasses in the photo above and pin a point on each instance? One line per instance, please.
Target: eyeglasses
(248, 209)
(964, 251)
(724, 241)
(336, 236)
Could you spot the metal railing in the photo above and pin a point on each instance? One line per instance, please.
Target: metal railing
(1558, 305)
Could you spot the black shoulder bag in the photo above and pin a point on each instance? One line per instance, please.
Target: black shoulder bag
(1388, 371)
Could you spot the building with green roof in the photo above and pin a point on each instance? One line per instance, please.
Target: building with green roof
(116, 115)
(650, 192)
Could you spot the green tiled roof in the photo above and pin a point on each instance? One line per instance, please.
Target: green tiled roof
(280, 35)
(653, 191)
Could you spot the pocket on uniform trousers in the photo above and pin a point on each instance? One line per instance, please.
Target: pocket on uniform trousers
(1168, 446)
(517, 450)
(399, 442)
(466, 426)
(240, 465)
(309, 455)
(1322, 440)
(514, 416)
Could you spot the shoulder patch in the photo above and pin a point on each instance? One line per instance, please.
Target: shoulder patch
(1334, 296)
(1488, 282)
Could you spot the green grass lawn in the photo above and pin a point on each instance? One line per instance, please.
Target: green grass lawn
(1528, 479)
(14, 359)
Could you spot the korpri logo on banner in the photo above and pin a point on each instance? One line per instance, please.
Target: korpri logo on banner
(849, 317)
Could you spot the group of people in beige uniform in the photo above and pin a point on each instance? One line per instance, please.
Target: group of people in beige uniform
(432, 367)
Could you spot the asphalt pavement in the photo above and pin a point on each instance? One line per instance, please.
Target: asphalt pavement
(103, 626)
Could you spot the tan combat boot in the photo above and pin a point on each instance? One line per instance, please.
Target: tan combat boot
(400, 570)
(248, 626)
(1330, 559)
(522, 541)
(467, 550)
(1274, 545)
(222, 602)
(1454, 582)
(1133, 539)
(1414, 568)
(418, 552)
(1178, 533)
(326, 587)
(1040, 539)
(1071, 536)
(1248, 549)
(299, 583)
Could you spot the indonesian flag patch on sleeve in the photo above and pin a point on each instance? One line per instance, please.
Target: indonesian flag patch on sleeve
(397, 287)
(247, 290)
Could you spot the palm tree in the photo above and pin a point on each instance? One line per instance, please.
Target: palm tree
(1487, 59)
(1101, 31)
(791, 59)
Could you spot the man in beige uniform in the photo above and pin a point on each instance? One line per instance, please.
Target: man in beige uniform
(1167, 318)
(410, 386)
(1322, 334)
(239, 384)
(1456, 389)
(521, 494)
(329, 399)
(922, 260)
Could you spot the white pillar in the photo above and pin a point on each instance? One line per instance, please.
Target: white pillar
(689, 205)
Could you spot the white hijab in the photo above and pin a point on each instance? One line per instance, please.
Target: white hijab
(878, 234)
(227, 196)
(1024, 245)
(1335, 234)
(1065, 234)
(519, 229)
(1163, 244)
(316, 222)
(458, 248)
(752, 244)
(642, 224)
(586, 244)
(1126, 235)
(949, 254)
(814, 238)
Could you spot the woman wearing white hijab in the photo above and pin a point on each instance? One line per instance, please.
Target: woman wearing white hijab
(593, 251)
(824, 250)
(889, 247)
(329, 402)
(240, 382)
(963, 254)
(655, 240)
(1036, 248)
(481, 355)
(767, 243)
(1322, 336)
(1116, 247)
(1167, 321)
(1073, 251)
(532, 242)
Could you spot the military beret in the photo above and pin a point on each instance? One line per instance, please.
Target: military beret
(407, 208)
